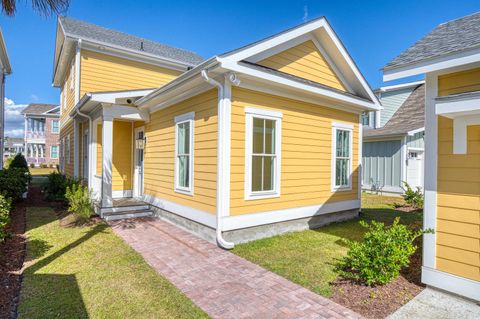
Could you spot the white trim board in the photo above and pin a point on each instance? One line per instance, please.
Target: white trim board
(276, 216)
(122, 194)
(458, 285)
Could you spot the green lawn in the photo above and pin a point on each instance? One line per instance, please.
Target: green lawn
(308, 257)
(89, 272)
(39, 171)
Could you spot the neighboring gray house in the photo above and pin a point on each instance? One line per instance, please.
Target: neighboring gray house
(393, 139)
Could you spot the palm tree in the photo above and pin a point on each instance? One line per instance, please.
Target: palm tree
(44, 7)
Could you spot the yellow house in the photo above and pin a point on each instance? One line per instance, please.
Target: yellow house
(254, 142)
(449, 56)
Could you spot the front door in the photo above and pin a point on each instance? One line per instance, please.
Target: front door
(138, 173)
(415, 169)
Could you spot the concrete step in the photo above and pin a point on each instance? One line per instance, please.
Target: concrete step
(127, 214)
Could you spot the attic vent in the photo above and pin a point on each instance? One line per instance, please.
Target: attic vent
(141, 46)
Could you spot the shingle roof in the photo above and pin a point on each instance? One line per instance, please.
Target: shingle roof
(409, 116)
(449, 37)
(94, 32)
(38, 108)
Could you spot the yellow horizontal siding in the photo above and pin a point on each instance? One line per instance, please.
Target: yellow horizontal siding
(305, 61)
(122, 156)
(306, 153)
(68, 96)
(459, 82)
(67, 130)
(101, 72)
(160, 152)
(458, 200)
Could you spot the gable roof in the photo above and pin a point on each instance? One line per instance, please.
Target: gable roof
(409, 117)
(242, 64)
(454, 39)
(84, 30)
(38, 109)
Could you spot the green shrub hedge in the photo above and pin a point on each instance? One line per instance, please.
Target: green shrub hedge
(5, 206)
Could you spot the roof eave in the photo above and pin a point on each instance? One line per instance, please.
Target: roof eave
(7, 68)
(439, 63)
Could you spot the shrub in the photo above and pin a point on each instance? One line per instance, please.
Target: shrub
(79, 201)
(412, 197)
(43, 165)
(5, 206)
(13, 182)
(19, 161)
(32, 165)
(384, 250)
(56, 186)
(8, 162)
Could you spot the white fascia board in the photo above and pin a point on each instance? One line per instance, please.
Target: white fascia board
(413, 132)
(111, 97)
(459, 105)
(235, 67)
(108, 48)
(433, 65)
(400, 86)
(7, 68)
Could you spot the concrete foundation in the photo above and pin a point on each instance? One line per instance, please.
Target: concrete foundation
(244, 235)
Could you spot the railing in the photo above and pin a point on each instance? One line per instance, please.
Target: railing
(35, 134)
(36, 160)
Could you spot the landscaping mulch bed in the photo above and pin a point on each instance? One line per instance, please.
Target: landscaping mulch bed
(12, 253)
(381, 301)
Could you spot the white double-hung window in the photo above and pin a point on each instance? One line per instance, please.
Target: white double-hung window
(184, 126)
(262, 153)
(342, 158)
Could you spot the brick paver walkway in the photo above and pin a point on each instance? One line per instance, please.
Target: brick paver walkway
(221, 283)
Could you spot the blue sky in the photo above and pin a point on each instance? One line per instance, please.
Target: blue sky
(374, 32)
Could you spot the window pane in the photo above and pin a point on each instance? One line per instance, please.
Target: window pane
(183, 138)
(183, 170)
(341, 173)
(269, 137)
(257, 173)
(258, 132)
(268, 173)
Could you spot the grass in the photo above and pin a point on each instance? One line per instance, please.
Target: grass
(89, 272)
(308, 257)
(39, 171)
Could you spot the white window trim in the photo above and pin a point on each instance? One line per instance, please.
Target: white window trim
(187, 117)
(68, 149)
(344, 127)
(72, 78)
(51, 152)
(251, 113)
(58, 126)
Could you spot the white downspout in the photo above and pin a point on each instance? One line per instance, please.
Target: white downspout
(220, 165)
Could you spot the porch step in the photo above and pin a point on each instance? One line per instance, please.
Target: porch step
(119, 209)
(127, 214)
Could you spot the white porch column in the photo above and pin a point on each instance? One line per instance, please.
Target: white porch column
(75, 148)
(107, 148)
(41, 150)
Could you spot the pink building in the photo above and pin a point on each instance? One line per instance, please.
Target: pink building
(42, 127)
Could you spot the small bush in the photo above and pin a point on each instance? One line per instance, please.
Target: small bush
(43, 165)
(8, 162)
(19, 161)
(378, 259)
(14, 182)
(56, 186)
(32, 165)
(412, 197)
(79, 201)
(5, 206)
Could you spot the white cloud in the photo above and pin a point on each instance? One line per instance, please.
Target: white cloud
(14, 122)
(305, 13)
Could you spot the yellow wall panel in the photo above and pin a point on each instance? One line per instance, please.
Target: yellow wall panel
(101, 72)
(66, 133)
(305, 61)
(459, 82)
(306, 153)
(99, 150)
(160, 152)
(458, 190)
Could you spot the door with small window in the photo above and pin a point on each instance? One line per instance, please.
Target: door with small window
(415, 168)
(139, 156)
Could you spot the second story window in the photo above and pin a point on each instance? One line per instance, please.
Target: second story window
(72, 78)
(55, 126)
(366, 119)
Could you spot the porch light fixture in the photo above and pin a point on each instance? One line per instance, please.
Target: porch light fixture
(140, 143)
